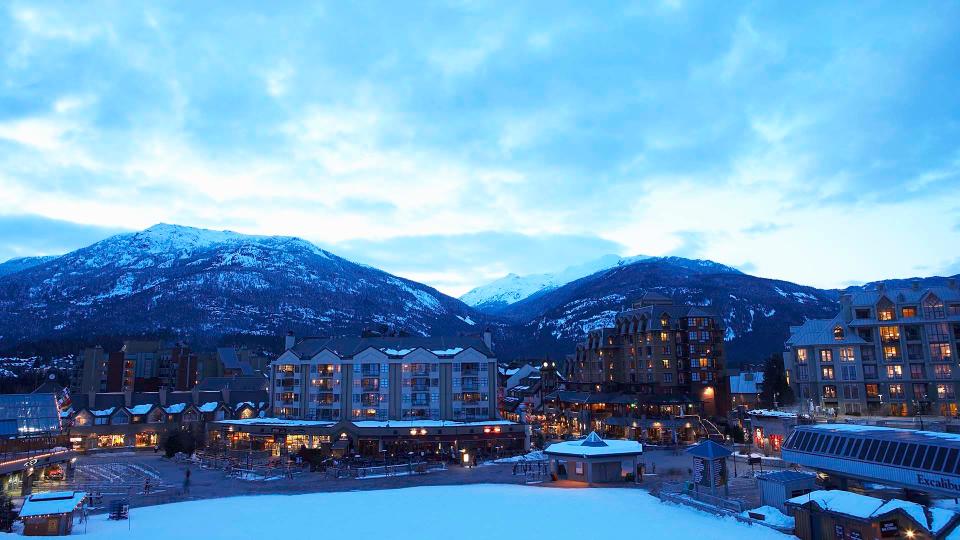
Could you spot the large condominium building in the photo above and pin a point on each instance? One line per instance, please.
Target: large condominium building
(386, 378)
(888, 352)
(141, 365)
(655, 349)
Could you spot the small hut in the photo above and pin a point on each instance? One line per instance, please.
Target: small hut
(594, 460)
(50, 514)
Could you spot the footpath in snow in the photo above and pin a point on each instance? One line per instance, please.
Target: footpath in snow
(474, 512)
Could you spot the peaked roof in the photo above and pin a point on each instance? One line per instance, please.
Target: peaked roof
(347, 347)
(593, 440)
(709, 450)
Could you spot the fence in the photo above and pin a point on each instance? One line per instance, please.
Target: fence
(399, 470)
(684, 494)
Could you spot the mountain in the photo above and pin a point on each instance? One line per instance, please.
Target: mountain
(495, 296)
(757, 311)
(198, 283)
(22, 263)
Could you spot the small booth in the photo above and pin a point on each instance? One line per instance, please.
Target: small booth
(50, 514)
(777, 487)
(709, 466)
(594, 460)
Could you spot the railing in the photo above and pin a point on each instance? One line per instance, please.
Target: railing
(680, 494)
(400, 470)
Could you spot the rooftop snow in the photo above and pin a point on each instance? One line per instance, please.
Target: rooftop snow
(276, 422)
(54, 502)
(587, 448)
(768, 412)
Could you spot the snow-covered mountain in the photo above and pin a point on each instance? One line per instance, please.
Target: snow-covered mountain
(22, 263)
(512, 288)
(197, 282)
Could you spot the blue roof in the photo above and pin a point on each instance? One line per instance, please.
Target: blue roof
(709, 450)
(786, 476)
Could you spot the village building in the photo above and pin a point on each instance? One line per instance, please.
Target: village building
(51, 513)
(594, 460)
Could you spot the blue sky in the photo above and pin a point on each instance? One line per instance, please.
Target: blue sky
(453, 142)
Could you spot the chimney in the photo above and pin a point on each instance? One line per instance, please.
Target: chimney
(915, 285)
(162, 395)
(289, 341)
(92, 399)
(488, 338)
(225, 392)
(128, 398)
(195, 395)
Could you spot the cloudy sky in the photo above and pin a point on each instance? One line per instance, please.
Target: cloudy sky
(453, 142)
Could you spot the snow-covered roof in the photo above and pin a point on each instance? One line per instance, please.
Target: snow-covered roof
(103, 412)
(140, 409)
(277, 422)
(594, 446)
(209, 406)
(53, 502)
(886, 432)
(771, 414)
(176, 408)
(866, 507)
(746, 383)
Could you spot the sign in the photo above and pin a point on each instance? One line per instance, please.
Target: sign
(775, 442)
(698, 469)
(719, 469)
(854, 535)
(753, 461)
(758, 437)
(889, 528)
(838, 532)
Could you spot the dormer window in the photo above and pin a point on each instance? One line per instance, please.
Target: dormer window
(933, 308)
(838, 332)
(885, 314)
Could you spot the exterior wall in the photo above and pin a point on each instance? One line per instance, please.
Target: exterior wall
(375, 386)
(901, 366)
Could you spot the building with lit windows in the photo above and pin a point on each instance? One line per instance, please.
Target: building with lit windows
(657, 349)
(890, 351)
(386, 378)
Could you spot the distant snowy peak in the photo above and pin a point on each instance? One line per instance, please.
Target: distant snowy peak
(18, 264)
(513, 288)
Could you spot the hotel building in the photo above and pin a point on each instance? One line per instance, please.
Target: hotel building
(889, 351)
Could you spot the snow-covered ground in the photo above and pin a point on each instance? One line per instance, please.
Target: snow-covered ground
(461, 512)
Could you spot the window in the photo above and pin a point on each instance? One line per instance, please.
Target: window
(894, 372)
(869, 371)
(908, 312)
(863, 313)
(933, 308)
(695, 376)
(668, 377)
(867, 353)
(851, 391)
(912, 332)
(846, 354)
(940, 352)
(826, 373)
(954, 309)
(920, 392)
(915, 351)
(896, 391)
(802, 374)
(938, 332)
(945, 391)
(665, 336)
(891, 353)
(889, 333)
(838, 332)
(942, 371)
(916, 371)
(848, 373)
(872, 390)
(666, 363)
(885, 314)
(830, 391)
(801, 356)
(826, 355)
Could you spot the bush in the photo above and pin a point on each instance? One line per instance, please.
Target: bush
(180, 441)
(7, 514)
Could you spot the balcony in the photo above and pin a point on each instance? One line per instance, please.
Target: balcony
(286, 382)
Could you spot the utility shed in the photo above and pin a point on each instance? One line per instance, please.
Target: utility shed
(50, 514)
(777, 487)
(842, 514)
(594, 460)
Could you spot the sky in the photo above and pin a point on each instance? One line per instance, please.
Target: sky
(454, 142)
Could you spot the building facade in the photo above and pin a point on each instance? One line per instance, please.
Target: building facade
(656, 348)
(140, 365)
(386, 378)
(888, 352)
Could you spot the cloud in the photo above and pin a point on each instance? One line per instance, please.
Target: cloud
(26, 235)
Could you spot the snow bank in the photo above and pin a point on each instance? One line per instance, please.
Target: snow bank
(536, 455)
(772, 516)
(467, 512)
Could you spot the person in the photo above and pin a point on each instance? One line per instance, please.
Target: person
(146, 486)
(186, 482)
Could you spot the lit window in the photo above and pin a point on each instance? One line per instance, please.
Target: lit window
(908, 312)
(846, 354)
(826, 355)
(894, 372)
(838, 332)
(801, 356)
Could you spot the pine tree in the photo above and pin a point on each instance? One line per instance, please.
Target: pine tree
(775, 383)
(7, 514)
